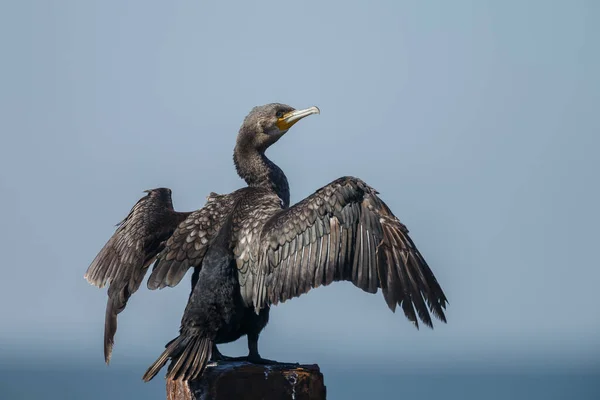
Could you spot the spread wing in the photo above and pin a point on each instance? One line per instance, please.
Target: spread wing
(188, 244)
(345, 232)
(124, 259)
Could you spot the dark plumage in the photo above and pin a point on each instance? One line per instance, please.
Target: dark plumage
(249, 250)
(124, 259)
(214, 306)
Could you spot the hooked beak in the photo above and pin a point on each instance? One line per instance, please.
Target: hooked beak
(284, 123)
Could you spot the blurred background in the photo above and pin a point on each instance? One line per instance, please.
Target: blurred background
(476, 120)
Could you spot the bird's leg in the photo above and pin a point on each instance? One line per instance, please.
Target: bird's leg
(217, 356)
(253, 355)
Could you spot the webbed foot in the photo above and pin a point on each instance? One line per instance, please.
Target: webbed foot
(257, 359)
(217, 356)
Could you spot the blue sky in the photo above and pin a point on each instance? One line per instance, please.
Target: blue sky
(477, 122)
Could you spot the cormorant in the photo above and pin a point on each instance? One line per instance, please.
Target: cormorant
(250, 249)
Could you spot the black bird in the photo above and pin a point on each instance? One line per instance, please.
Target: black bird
(249, 250)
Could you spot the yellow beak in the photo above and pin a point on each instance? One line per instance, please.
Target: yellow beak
(284, 123)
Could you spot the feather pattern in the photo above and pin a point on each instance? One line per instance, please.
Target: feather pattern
(187, 246)
(249, 250)
(189, 355)
(125, 258)
(344, 231)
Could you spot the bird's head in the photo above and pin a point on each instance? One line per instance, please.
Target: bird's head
(266, 124)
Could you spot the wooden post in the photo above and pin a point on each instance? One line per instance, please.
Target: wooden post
(245, 381)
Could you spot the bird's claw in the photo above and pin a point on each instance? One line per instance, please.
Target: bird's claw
(261, 361)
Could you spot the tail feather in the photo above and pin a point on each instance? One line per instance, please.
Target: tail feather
(186, 363)
(189, 356)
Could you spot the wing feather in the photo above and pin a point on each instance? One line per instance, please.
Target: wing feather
(344, 231)
(125, 258)
(187, 246)
(321, 256)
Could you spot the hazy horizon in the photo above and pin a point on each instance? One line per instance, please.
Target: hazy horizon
(476, 121)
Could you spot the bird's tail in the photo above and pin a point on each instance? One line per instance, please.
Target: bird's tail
(189, 355)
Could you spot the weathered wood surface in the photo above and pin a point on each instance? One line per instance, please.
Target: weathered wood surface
(245, 381)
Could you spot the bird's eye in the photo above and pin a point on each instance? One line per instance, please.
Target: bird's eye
(279, 114)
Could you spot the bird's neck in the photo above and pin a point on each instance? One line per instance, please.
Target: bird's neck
(257, 170)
